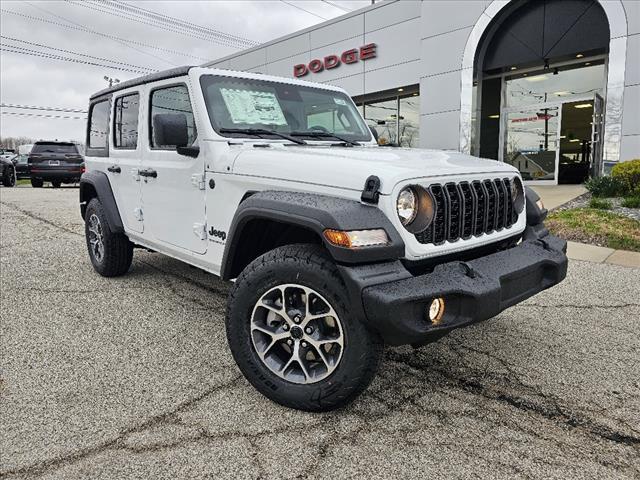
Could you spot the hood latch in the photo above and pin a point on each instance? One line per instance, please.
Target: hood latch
(371, 191)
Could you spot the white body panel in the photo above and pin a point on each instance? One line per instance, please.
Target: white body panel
(171, 204)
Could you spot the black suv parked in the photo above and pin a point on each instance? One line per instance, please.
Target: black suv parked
(55, 162)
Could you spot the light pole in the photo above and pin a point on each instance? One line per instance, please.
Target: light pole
(111, 80)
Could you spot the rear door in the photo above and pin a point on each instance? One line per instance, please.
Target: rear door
(125, 157)
(173, 195)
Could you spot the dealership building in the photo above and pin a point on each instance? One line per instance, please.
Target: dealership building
(550, 86)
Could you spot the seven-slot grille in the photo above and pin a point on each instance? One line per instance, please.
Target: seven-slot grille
(467, 209)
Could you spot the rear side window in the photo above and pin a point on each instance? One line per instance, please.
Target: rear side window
(125, 131)
(174, 105)
(54, 147)
(99, 125)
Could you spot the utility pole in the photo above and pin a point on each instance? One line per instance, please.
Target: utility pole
(111, 80)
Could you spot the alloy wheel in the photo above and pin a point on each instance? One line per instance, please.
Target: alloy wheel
(297, 334)
(96, 240)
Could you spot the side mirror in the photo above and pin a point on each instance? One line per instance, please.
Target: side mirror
(170, 130)
(188, 151)
(374, 132)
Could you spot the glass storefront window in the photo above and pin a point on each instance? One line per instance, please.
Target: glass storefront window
(383, 116)
(409, 121)
(554, 85)
(396, 119)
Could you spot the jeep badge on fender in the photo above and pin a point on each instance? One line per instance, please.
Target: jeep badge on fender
(336, 245)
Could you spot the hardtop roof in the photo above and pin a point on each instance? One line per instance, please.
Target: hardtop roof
(154, 77)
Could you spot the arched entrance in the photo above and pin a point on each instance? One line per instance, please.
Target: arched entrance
(537, 78)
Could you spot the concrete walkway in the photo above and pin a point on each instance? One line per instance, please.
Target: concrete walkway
(555, 195)
(595, 254)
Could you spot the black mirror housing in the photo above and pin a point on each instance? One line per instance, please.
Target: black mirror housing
(170, 130)
(192, 151)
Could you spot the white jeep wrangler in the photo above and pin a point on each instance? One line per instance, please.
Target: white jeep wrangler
(336, 245)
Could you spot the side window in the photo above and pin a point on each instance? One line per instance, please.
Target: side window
(125, 122)
(172, 120)
(99, 125)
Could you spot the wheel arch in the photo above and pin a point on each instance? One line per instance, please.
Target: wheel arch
(267, 220)
(95, 184)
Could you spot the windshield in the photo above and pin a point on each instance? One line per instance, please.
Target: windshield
(54, 148)
(242, 103)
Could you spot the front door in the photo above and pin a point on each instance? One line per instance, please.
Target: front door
(530, 141)
(173, 195)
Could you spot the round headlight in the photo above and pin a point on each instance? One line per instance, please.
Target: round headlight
(407, 205)
(517, 194)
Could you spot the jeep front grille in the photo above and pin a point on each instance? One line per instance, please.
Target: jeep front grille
(467, 209)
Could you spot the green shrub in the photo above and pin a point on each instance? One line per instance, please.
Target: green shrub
(628, 175)
(604, 186)
(631, 202)
(600, 204)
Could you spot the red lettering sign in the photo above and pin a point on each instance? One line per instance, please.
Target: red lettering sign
(368, 51)
(300, 70)
(331, 61)
(353, 55)
(316, 66)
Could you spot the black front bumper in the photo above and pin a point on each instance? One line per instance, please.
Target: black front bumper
(395, 303)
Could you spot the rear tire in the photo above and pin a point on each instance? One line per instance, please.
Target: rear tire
(56, 183)
(332, 363)
(110, 253)
(36, 182)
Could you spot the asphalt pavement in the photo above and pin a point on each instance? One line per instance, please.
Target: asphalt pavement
(131, 378)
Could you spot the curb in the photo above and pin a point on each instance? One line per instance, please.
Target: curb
(595, 254)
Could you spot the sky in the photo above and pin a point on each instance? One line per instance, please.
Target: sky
(67, 26)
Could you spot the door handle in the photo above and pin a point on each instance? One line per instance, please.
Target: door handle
(114, 169)
(147, 172)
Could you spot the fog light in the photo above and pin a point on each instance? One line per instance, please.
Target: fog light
(540, 204)
(436, 310)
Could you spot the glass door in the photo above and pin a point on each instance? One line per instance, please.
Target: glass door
(530, 141)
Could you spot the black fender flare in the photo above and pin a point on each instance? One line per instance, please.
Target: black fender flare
(98, 182)
(316, 213)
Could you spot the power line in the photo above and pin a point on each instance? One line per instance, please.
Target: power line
(35, 53)
(111, 37)
(75, 53)
(161, 26)
(43, 116)
(93, 31)
(304, 10)
(335, 5)
(38, 107)
(186, 24)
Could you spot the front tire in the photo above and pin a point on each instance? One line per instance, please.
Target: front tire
(110, 253)
(56, 183)
(36, 182)
(9, 179)
(291, 333)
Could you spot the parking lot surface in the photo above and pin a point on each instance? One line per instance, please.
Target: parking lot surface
(131, 378)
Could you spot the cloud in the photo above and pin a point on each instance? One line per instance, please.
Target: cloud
(30, 80)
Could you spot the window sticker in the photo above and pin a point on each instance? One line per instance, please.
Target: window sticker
(340, 101)
(246, 106)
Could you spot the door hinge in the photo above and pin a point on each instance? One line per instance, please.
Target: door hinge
(200, 229)
(197, 180)
(137, 212)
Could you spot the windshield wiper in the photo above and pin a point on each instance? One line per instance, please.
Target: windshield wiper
(315, 134)
(263, 131)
